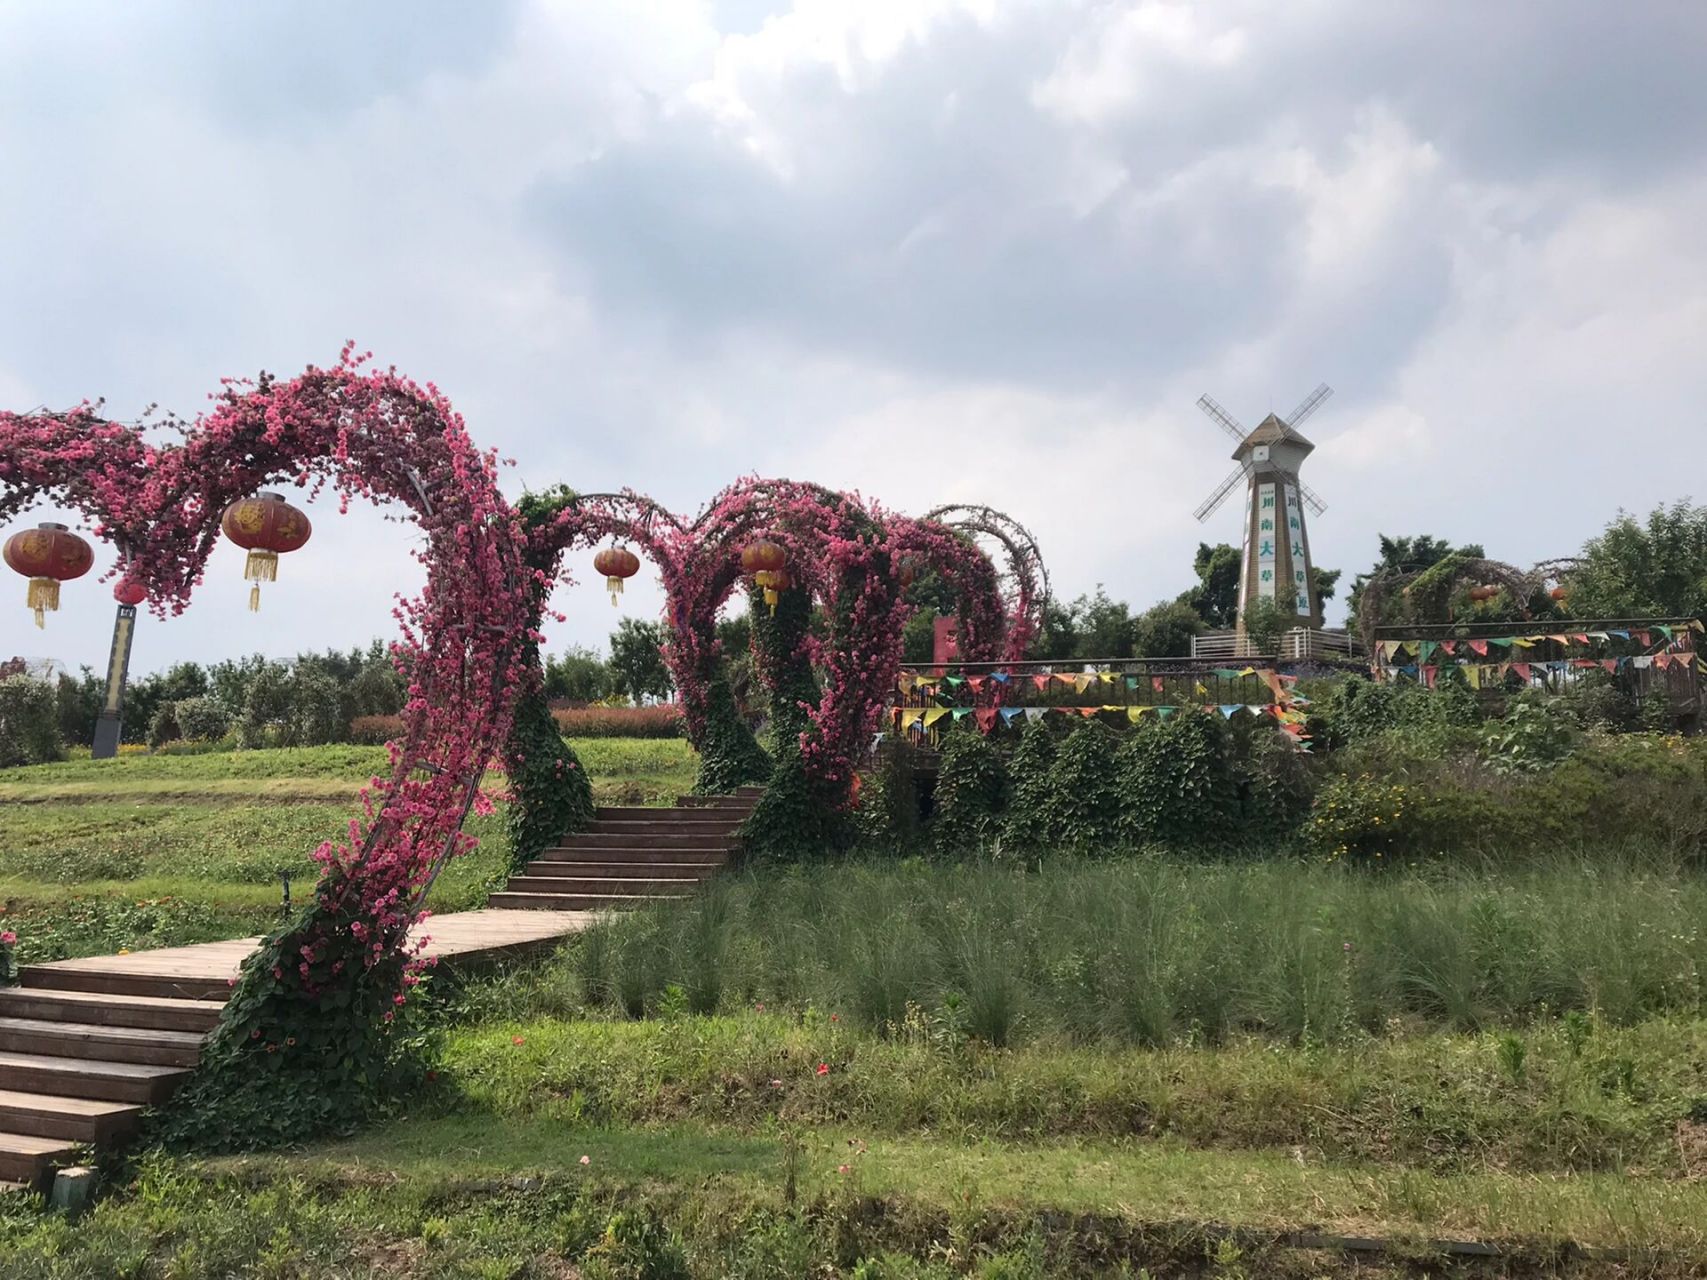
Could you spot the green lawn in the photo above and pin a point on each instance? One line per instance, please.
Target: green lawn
(157, 850)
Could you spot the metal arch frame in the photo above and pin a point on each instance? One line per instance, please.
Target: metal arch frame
(1024, 555)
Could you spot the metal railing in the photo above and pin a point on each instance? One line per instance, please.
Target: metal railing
(1300, 644)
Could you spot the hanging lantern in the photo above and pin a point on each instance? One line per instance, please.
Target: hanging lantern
(1483, 593)
(775, 582)
(265, 526)
(616, 563)
(761, 555)
(1558, 594)
(909, 571)
(48, 555)
(127, 590)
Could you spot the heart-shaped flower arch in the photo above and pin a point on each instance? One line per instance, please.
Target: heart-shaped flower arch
(366, 433)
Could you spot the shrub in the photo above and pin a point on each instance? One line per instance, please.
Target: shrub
(661, 721)
(29, 722)
(1083, 807)
(317, 714)
(375, 731)
(886, 816)
(202, 719)
(971, 790)
(1362, 819)
(163, 727)
(1027, 821)
(1534, 735)
(1177, 783)
(1275, 784)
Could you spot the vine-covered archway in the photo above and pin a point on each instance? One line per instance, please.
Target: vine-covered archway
(304, 1039)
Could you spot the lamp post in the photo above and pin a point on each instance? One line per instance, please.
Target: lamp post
(110, 723)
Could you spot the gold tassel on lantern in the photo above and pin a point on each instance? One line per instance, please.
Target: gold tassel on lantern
(43, 598)
(615, 586)
(772, 580)
(260, 566)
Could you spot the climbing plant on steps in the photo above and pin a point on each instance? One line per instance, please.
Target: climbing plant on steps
(311, 1033)
(550, 793)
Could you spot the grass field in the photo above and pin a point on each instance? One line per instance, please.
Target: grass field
(918, 1069)
(158, 850)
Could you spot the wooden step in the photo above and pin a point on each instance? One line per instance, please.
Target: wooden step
(115, 980)
(643, 840)
(49, 1115)
(572, 901)
(109, 1010)
(531, 883)
(621, 870)
(27, 1158)
(702, 857)
(113, 1044)
(83, 1078)
(714, 832)
(732, 815)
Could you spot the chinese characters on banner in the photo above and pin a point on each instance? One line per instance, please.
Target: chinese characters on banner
(1295, 542)
(1267, 538)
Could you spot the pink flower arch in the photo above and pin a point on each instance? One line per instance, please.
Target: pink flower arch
(367, 433)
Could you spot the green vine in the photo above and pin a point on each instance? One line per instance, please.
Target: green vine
(550, 793)
(297, 1053)
(971, 791)
(729, 755)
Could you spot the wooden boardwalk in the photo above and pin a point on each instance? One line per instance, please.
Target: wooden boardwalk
(203, 971)
(86, 1044)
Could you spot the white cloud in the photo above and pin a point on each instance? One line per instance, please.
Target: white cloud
(946, 249)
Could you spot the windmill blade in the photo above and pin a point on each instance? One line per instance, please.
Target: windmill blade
(1221, 418)
(1316, 505)
(1312, 402)
(1227, 486)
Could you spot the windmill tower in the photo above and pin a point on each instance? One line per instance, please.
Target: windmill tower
(1276, 562)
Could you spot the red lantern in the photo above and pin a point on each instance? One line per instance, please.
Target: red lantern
(616, 563)
(909, 571)
(127, 590)
(774, 581)
(265, 526)
(48, 555)
(761, 555)
(1483, 593)
(1559, 594)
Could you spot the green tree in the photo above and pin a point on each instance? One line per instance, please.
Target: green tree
(1656, 567)
(1165, 630)
(577, 675)
(1103, 627)
(1325, 581)
(1216, 595)
(637, 660)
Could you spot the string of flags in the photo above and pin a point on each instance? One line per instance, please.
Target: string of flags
(986, 718)
(1423, 650)
(1078, 681)
(1481, 675)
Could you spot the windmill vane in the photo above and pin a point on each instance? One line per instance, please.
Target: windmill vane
(1275, 564)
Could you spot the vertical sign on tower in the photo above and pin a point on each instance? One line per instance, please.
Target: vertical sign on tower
(1245, 553)
(1300, 561)
(1267, 537)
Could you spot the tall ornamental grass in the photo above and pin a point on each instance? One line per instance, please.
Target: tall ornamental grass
(1158, 952)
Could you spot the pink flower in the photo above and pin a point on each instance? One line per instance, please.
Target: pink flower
(823, 1068)
(518, 1040)
(586, 1159)
(7, 938)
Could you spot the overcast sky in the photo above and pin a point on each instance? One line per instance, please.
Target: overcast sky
(932, 250)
